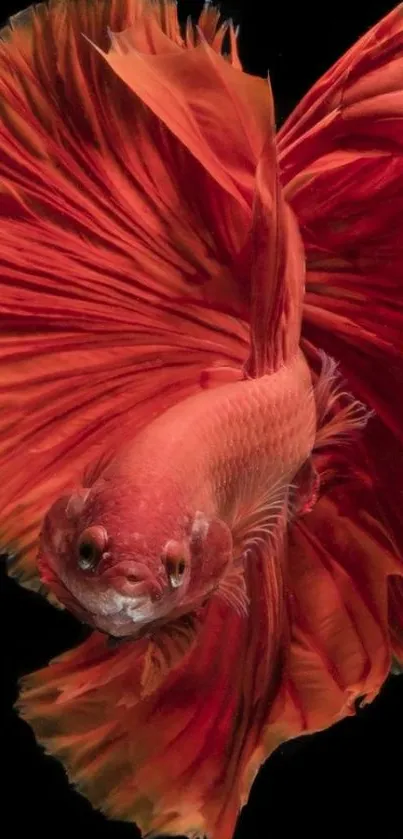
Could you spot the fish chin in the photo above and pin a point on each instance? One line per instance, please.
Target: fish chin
(106, 610)
(122, 616)
(125, 616)
(136, 609)
(111, 602)
(120, 626)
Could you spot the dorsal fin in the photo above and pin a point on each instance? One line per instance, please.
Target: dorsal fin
(274, 256)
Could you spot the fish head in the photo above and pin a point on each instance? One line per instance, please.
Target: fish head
(125, 574)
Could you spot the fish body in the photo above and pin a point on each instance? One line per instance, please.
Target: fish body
(220, 461)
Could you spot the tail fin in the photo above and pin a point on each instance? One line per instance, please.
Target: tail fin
(342, 169)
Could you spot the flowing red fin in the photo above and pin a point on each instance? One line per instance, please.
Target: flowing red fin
(120, 283)
(273, 254)
(166, 651)
(344, 572)
(343, 145)
(185, 88)
(339, 416)
(178, 758)
(341, 562)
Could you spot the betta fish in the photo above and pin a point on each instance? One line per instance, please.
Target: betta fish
(201, 357)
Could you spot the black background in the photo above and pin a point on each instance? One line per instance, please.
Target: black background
(343, 782)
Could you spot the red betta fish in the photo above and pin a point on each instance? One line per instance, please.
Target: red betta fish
(176, 281)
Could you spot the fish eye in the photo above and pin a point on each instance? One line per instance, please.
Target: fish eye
(175, 569)
(88, 554)
(91, 546)
(175, 563)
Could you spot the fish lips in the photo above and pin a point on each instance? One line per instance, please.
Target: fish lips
(133, 608)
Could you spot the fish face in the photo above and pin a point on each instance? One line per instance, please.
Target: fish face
(123, 581)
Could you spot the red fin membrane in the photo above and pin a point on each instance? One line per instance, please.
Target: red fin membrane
(123, 213)
(340, 560)
(270, 264)
(176, 756)
(273, 256)
(343, 146)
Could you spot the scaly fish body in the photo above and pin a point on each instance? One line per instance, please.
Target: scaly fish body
(257, 431)
(215, 458)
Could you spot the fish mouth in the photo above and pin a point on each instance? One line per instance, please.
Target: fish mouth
(115, 605)
(120, 607)
(124, 600)
(121, 616)
(133, 599)
(134, 580)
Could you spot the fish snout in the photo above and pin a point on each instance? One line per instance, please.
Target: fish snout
(134, 579)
